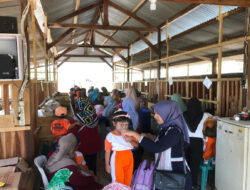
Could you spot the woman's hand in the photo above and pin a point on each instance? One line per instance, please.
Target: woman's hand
(108, 169)
(131, 134)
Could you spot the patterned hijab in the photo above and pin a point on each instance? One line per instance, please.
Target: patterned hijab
(172, 115)
(85, 112)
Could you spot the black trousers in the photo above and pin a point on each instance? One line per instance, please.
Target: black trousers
(194, 155)
(91, 162)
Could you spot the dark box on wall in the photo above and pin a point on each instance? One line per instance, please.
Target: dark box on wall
(8, 25)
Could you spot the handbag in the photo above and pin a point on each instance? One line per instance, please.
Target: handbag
(170, 180)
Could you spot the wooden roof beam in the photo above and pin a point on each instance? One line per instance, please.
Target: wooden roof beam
(94, 56)
(73, 37)
(95, 46)
(120, 55)
(100, 27)
(104, 60)
(71, 48)
(147, 42)
(105, 12)
(130, 14)
(59, 38)
(239, 3)
(138, 6)
(110, 38)
(63, 61)
(77, 12)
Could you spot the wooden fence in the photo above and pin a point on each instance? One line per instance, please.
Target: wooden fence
(230, 101)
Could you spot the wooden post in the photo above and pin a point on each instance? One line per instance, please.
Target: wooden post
(247, 55)
(45, 46)
(131, 63)
(128, 64)
(167, 60)
(214, 64)
(218, 99)
(159, 55)
(150, 58)
(33, 7)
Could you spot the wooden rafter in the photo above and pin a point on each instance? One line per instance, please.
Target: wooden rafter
(110, 38)
(96, 46)
(97, 56)
(104, 60)
(63, 61)
(75, 18)
(59, 38)
(120, 55)
(130, 14)
(100, 27)
(71, 48)
(105, 12)
(240, 3)
(73, 37)
(192, 55)
(94, 21)
(233, 12)
(147, 42)
(138, 6)
(77, 12)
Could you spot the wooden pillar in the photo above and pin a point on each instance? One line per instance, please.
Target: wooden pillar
(131, 63)
(46, 49)
(128, 64)
(214, 64)
(167, 60)
(33, 7)
(219, 61)
(159, 55)
(247, 55)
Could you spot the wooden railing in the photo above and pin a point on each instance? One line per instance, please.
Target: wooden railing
(230, 101)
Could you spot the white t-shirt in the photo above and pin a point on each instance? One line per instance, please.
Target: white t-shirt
(198, 133)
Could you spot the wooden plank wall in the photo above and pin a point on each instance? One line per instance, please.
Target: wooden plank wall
(16, 142)
(231, 99)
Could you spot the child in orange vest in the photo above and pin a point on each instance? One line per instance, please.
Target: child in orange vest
(121, 163)
(61, 125)
(209, 132)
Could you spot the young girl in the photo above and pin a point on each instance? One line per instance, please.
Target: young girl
(121, 163)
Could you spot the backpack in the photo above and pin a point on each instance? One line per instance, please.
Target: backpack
(143, 176)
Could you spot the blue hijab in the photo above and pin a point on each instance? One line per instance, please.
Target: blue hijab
(128, 105)
(94, 95)
(172, 115)
(111, 103)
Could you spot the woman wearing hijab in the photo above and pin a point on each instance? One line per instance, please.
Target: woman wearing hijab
(131, 93)
(128, 105)
(87, 132)
(64, 159)
(178, 99)
(110, 104)
(169, 141)
(195, 119)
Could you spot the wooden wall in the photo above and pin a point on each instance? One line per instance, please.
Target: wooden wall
(16, 140)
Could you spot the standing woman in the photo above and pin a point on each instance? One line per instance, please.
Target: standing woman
(87, 132)
(131, 93)
(169, 141)
(128, 105)
(195, 119)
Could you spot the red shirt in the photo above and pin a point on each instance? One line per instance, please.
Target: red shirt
(90, 139)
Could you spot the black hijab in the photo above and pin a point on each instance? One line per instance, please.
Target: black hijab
(194, 114)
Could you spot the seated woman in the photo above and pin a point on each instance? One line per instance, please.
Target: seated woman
(64, 159)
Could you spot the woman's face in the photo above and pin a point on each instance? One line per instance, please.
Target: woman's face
(158, 118)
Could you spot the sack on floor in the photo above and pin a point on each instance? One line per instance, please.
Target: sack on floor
(116, 186)
(143, 176)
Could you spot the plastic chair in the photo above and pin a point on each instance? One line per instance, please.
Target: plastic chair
(205, 169)
(40, 162)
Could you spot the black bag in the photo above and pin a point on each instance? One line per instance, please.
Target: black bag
(170, 180)
(7, 67)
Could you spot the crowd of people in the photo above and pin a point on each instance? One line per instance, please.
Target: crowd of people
(110, 124)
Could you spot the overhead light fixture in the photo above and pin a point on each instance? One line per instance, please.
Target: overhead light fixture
(152, 5)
